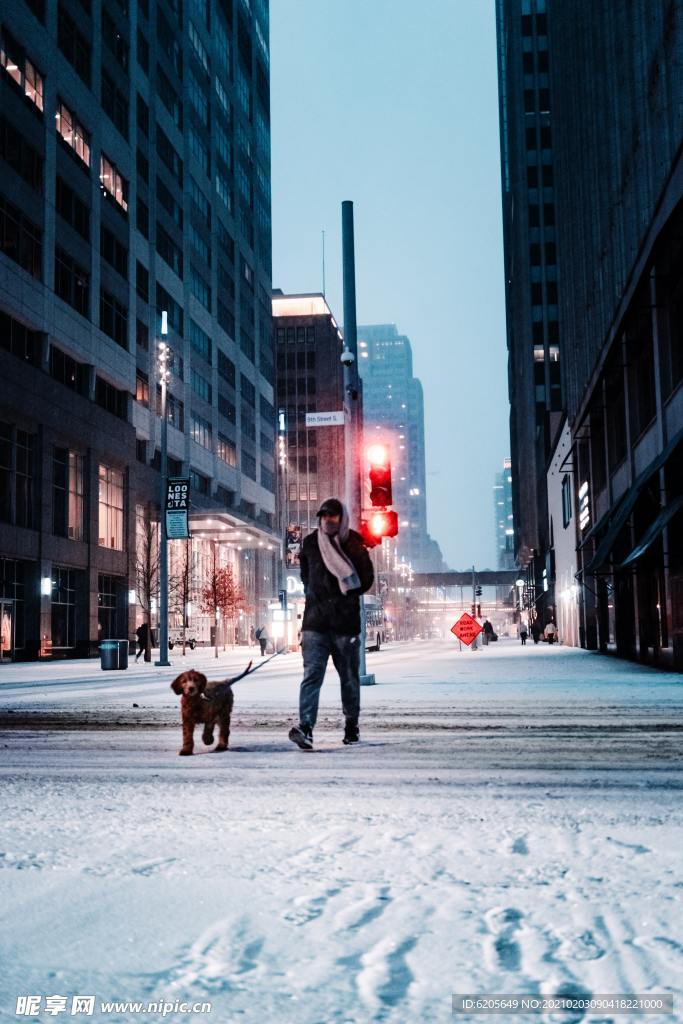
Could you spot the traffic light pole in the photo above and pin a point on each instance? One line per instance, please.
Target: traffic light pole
(352, 411)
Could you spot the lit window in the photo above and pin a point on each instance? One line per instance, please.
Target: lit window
(73, 133)
(111, 508)
(23, 72)
(113, 183)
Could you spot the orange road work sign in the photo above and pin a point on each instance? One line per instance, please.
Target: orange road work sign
(466, 628)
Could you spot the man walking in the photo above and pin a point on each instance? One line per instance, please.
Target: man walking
(335, 570)
(142, 633)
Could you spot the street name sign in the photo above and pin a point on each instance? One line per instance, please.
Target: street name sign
(466, 628)
(325, 419)
(177, 507)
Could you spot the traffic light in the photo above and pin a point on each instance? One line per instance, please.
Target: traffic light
(380, 477)
(379, 525)
(478, 591)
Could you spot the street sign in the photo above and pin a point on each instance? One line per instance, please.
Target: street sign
(177, 507)
(466, 628)
(325, 419)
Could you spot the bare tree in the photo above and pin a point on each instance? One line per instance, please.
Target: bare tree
(147, 564)
(221, 594)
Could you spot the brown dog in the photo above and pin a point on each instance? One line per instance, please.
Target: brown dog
(210, 703)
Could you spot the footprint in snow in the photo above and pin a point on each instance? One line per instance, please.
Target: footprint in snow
(520, 845)
(579, 947)
(503, 922)
(363, 911)
(152, 867)
(306, 909)
(635, 847)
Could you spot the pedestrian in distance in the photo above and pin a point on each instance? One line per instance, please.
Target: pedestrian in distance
(142, 633)
(262, 637)
(487, 633)
(335, 570)
(252, 637)
(550, 632)
(523, 635)
(535, 632)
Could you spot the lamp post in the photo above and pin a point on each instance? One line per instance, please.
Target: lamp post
(163, 352)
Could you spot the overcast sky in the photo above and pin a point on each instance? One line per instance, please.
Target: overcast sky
(393, 104)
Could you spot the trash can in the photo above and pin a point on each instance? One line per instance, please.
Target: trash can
(114, 654)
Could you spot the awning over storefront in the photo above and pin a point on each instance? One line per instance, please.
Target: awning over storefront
(226, 527)
(625, 506)
(652, 533)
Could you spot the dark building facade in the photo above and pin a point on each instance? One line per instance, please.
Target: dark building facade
(532, 285)
(135, 179)
(617, 82)
(308, 344)
(610, 99)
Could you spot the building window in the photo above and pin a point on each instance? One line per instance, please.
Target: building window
(17, 472)
(200, 341)
(226, 408)
(110, 508)
(73, 44)
(21, 70)
(142, 335)
(114, 39)
(114, 252)
(201, 386)
(200, 431)
(198, 482)
(73, 133)
(169, 251)
(63, 611)
(226, 368)
(200, 288)
(110, 607)
(68, 494)
(72, 282)
(141, 387)
(21, 157)
(72, 209)
(226, 450)
(267, 479)
(142, 217)
(249, 465)
(113, 318)
(113, 183)
(20, 239)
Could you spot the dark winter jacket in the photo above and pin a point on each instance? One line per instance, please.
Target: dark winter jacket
(326, 607)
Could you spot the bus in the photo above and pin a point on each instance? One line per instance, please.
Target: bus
(375, 623)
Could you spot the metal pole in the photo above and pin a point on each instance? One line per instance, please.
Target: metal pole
(474, 607)
(352, 411)
(163, 541)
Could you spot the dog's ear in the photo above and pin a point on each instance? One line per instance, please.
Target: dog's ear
(177, 684)
(200, 681)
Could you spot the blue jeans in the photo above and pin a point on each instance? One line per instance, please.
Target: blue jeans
(316, 649)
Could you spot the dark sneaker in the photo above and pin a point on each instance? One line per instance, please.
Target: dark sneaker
(351, 731)
(302, 735)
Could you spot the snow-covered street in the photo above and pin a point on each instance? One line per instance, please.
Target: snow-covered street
(511, 822)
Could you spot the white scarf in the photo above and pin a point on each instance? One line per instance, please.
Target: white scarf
(339, 564)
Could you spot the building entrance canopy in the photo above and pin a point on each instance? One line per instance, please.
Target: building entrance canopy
(228, 528)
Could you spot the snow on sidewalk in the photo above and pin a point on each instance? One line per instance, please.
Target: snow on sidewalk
(515, 827)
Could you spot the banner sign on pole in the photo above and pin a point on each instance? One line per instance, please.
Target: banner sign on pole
(177, 507)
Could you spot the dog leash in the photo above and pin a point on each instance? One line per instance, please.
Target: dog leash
(249, 671)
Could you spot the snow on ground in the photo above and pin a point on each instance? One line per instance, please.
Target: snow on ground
(511, 822)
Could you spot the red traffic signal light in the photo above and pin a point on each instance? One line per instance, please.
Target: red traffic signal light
(379, 525)
(380, 476)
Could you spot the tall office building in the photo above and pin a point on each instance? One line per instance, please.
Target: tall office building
(504, 517)
(135, 157)
(393, 412)
(310, 399)
(620, 231)
(613, 179)
(534, 332)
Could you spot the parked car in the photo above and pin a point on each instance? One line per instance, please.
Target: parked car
(174, 641)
